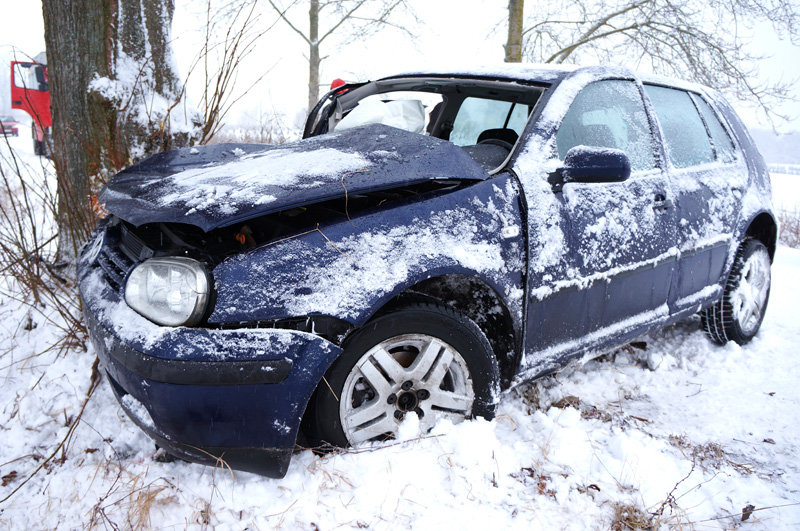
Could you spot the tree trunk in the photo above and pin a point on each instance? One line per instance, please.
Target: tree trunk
(143, 27)
(77, 37)
(313, 54)
(513, 45)
(158, 25)
(344, 10)
(95, 132)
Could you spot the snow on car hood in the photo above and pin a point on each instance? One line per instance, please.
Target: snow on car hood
(218, 185)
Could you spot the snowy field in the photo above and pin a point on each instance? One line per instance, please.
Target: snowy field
(672, 429)
(786, 191)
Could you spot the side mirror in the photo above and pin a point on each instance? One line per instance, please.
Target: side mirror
(588, 164)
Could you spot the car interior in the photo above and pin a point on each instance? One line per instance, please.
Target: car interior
(485, 118)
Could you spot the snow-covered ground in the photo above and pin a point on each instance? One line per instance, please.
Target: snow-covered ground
(786, 191)
(686, 432)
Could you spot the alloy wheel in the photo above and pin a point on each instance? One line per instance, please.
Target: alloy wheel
(411, 373)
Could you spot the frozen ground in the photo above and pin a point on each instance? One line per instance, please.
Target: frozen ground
(685, 432)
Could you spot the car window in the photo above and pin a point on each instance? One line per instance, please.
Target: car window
(609, 114)
(726, 152)
(476, 115)
(685, 135)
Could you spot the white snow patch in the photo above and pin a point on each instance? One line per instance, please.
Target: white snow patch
(138, 410)
(216, 188)
(713, 426)
(527, 469)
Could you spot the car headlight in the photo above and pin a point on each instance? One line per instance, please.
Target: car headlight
(169, 291)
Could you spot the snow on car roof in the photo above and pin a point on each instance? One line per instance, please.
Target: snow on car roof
(543, 73)
(512, 71)
(674, 82)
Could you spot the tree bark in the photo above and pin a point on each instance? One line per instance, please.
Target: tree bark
(513, 45)
(158, 24)
(313, 54)
(94, 133)
(76, 34)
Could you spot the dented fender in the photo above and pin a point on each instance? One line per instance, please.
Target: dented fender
(350, 268)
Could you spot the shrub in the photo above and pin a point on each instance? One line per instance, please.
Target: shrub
(789, 228)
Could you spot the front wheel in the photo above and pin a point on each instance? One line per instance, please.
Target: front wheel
(738, 315)
(422, 359)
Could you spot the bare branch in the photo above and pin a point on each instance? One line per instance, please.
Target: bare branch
(341, 21)
(562, 54)
(289, 22)
(673, 37)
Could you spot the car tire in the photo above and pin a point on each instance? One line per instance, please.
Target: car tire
(737, 316)
(421, 357)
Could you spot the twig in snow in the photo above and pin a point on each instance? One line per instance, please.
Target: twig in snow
(95, 380)
(735, 515)
(670, 499)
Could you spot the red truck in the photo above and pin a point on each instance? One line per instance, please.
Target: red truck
(30, 92)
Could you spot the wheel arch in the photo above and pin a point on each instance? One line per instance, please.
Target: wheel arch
(764, 228)
(469, 295)
(478, 300)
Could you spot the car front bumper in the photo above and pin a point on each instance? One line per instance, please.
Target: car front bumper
(206, 395)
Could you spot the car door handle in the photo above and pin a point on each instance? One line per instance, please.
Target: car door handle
(661, 202)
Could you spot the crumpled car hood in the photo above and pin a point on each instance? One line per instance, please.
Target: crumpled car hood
(219, 185)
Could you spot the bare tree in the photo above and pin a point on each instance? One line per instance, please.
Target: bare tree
(221, 57)
(358, 17)
(513, 45)
(703, 41)
(113, 87)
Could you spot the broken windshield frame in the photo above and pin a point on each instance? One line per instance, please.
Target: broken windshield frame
(334, 105)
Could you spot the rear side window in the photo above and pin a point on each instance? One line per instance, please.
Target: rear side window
(722, 142)
(476, 115)
(685, 134)
(609, 114)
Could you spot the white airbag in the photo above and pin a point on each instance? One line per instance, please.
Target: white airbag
(408, 115)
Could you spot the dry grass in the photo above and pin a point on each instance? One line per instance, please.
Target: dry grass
(630, 517)
(789, 227)
(540, 482)
(33, 275)
(131, 499)
(710, 455)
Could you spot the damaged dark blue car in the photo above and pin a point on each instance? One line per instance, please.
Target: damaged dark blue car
(435, 239)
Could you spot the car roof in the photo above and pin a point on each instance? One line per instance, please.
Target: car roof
(543, 74)
(525, 72)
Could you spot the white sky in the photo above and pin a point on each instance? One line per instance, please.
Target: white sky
(452, 32)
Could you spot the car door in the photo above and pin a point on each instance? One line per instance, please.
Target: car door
(707, 178)
(619, 238)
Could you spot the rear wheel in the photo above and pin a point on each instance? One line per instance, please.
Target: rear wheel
(738, 315)
(422, 359)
